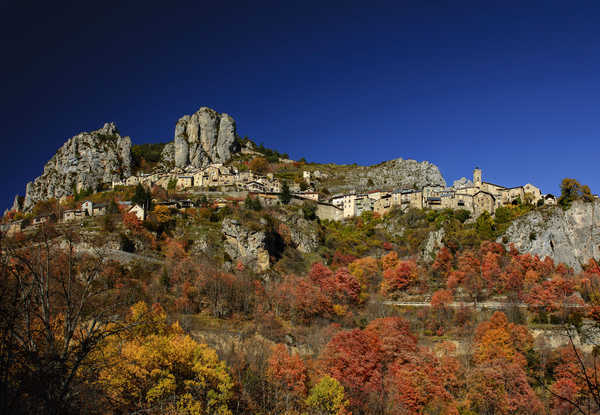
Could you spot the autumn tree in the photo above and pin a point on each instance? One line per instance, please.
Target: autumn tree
(54, 314)
(500, 387)
(422, 385)
(259, 165)
(497, 338)
(287, 375)
(341, 286)
(399, 277)
(299, 299)
(576, 388)
(157, 368)
(467, 275)
(364, 269)
(572, 190)
(441, 301)
(354, 358)
(389, 260)
(397, 341)
(443, 263)
(327, 398)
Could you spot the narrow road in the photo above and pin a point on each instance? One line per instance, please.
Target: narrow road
(494, 305)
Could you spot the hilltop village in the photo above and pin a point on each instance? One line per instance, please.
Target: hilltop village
(233, 187)
(478, 197)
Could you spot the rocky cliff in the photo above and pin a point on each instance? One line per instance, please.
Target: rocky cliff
(571, 237)
(203, 138)
(86, 160)
(393, 174)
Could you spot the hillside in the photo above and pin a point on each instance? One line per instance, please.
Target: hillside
(154, 295)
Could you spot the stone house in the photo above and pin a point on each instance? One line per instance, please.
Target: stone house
(532, 192)
(346, 203)
(405, 199)
(185, 204)
(483, 201)
(383, 205)
(308, 195)
(375, 194)
(99, 209)
(463, 201)
(185, 182)
(74, 214)
(11, 228)
(329, 211)
(256, 187)
(363, 203)
(268, 199)
(132, 181)
(37, 221)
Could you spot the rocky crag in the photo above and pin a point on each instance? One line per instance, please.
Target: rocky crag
(85, 161)
(397, 173)
(89, 160)
(203, 138)
(571, 236)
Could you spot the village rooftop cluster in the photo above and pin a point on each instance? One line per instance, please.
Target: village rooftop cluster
(476, 198)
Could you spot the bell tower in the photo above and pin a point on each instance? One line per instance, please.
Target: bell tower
(477, 177)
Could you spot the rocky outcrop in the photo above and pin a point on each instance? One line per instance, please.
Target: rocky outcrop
(85, 161)
(393, 174)
(17, 205)
(462, 183)
(571, 237)
(433, 245)
(203, 138)
(245, 245)
(167, 157)
(304, 234)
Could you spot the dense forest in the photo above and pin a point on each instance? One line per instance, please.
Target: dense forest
(368, 323)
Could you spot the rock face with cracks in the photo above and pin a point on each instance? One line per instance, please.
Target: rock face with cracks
(571, 237)
(248, 246)
(203, 138)
(86, 161)
(392, 174)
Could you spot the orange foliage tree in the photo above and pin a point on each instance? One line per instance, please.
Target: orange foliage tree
(354, 358)
(287, 374)
(399, 277)
(497, 338)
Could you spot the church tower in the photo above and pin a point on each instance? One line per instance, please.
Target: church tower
(477, 177)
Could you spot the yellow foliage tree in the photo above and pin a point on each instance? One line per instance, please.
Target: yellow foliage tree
(364, 269)
(163, 214)
(327, 398)
(160, 369)
(389, 260)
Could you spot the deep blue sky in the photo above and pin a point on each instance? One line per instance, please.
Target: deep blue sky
(513, 88)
